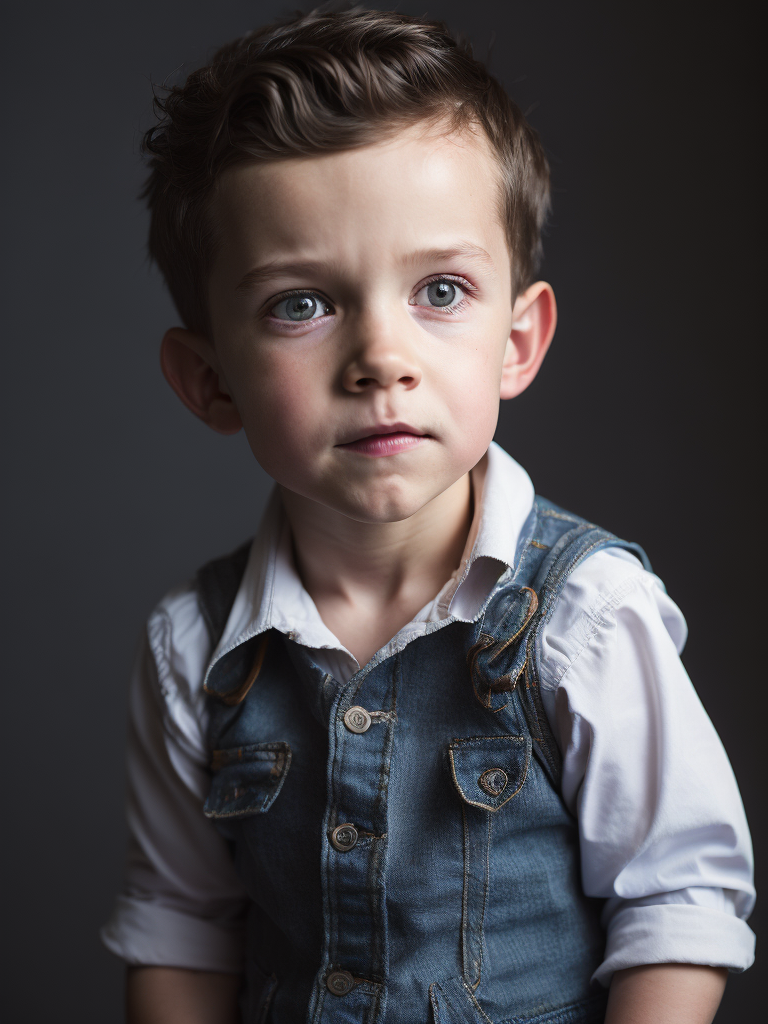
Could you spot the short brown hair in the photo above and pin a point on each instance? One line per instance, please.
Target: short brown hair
(325, 81)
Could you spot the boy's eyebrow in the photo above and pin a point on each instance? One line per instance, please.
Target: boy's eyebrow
(306, 268)
(464, 250)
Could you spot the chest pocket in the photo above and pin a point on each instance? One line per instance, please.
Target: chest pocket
(488, 771)
(246, 780)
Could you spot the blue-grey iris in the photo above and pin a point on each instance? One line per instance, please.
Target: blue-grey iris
(300, 307)
(441, 293)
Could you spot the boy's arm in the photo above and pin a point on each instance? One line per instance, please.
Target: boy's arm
(172, 995)
(182, 903)
(666, 994)
(663, 835)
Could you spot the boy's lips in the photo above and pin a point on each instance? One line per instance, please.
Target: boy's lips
(385, 439)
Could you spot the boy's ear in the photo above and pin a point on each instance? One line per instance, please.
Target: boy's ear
(534, 318)
(190, 366)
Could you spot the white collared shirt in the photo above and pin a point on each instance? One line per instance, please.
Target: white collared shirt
(662, 828)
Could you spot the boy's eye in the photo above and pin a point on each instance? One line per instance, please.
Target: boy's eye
(299, 307)
(441, 293)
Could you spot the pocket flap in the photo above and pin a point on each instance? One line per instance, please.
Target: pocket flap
(489, 770)
(246, 780)
(453, 1003)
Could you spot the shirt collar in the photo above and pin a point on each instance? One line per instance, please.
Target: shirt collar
(272, 596)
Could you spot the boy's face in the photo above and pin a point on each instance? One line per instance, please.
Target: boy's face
(361, 315)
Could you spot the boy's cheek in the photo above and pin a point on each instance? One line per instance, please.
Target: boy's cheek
(285, 424)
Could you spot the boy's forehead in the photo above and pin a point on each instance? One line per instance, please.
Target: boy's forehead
(415, 191)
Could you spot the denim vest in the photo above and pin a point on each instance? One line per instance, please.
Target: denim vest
(402, 837)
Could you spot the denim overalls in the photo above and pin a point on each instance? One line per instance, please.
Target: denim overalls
(402, 837)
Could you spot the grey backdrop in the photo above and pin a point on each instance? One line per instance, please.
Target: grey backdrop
(643, 417)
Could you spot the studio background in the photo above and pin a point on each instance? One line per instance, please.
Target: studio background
(644, 417)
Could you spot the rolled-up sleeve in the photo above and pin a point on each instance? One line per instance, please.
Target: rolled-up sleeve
(663, 834)
(182, 904)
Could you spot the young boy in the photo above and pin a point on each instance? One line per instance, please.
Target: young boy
(424, 749)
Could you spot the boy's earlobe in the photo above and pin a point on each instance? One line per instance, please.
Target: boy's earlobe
(190, 366)
(534, 318)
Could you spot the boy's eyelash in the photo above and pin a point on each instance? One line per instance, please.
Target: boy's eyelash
(299, 291)
(447, 277)
(453, 278)
(461, 281)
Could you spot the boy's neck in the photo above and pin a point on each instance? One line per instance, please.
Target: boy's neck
(369, 579)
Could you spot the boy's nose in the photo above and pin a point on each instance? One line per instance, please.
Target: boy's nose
(382, 356)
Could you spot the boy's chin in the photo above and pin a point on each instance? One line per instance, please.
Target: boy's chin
(376, 506)
(379, 509)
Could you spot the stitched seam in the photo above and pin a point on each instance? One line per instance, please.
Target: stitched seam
(485, 641)
(435, 1004)
(460, 788)
(534, 604)
(461, 740)
(330, 876)
(596, 620)
(551, 598)
(465, 886)
(613, 598)
(559, 515)
(486, 1018)
(486, 887)
(549, 750)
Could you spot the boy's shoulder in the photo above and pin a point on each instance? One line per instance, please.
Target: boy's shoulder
(180, 642)
(616, 609)
(606, 569)
(562, 553)
(601, 584)
(179, 627)
(606, 579)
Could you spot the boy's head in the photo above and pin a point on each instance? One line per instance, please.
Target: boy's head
(347, 210)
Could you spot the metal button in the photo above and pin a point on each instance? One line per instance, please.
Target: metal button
(493, 781)
(344, 837)
(357, 719)
(340, 982)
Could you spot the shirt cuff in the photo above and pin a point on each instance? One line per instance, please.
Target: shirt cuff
(675, 933)
(145, 933)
